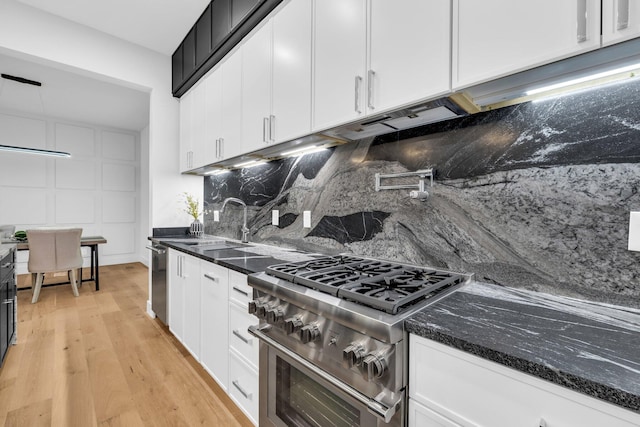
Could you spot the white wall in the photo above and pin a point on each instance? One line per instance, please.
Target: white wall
(39, 36)
(97, 189)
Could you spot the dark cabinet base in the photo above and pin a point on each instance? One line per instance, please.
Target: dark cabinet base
(7, 303)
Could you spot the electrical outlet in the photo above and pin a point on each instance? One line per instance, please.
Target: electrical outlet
(306, 219)
(216, 216)
(275, 217)
(634, 231)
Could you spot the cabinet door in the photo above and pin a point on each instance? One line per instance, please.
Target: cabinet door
(203, 36)
(175, 293)
(620, 20)
(189, 54)
(231, 141)
(243, 386)
(213, 116)
(214, 354)
(256, 88)
(410, 52)
(186, 116)
(494, 38)
(199, 137)
(339, 67)
(191, 305)
(220, 21)
(291, 82)
(176, 69)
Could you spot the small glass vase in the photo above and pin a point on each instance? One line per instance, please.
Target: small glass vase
(197, 228)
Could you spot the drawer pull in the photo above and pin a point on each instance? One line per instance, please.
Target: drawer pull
(239, 335)
(623, 15)
(7, 265)
(245, 293)
(215, 279)
(244, 393)
(582, 21)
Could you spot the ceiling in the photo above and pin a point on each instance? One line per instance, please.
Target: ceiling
(159, 25)
(70, 96)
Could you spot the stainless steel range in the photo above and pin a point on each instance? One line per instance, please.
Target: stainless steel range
(333, 350)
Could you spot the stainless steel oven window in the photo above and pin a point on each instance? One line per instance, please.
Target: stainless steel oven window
(301, 401)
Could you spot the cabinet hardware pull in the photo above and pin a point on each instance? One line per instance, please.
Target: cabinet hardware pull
(10, 301)
(221, 148)
(215, 279)
(623, 14)
(265, 126)
(7, 265)
(239, 335)
(244, 393)
(245, 293)
(357, 91)
(370, 77)
(152, 249)
(582, 21)
(217, 156)
(272, 128)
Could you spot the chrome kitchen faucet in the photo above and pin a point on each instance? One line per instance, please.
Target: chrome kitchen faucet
(244, 229)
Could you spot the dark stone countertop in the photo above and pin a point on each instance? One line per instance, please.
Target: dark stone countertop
(244, 258)
(588, 347)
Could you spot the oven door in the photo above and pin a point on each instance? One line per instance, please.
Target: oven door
(295, 393)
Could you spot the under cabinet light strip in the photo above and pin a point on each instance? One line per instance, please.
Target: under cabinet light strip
(41, 152)
(628, 68)
(302, 151)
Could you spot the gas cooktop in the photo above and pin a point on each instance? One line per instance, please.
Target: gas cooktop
(383, 285)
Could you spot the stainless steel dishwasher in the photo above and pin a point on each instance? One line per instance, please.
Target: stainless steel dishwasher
(159, 280)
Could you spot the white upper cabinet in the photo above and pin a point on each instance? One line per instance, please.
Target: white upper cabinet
(199, 137)
(291, 90)
(231, 137)
(276, 78)
(213, 116)
(375, 55)
(185, 131)
(340, 62)
(494, 38)
(620, 20)
(410, 52)
(256, 87)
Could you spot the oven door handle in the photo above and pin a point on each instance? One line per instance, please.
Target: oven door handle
(378, 409)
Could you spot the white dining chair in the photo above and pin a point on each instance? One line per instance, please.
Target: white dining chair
(54, 250)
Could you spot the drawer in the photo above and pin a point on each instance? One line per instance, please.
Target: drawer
(239, 289)
(243, 386)
(421, 416)
(239, 339)
(472, 391)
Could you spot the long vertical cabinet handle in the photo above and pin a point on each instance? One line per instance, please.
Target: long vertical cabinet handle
(623, 14)
(272, 128)
(371, 75)
(357, 94)
(217, 148)
(582, 21)
(265, 127)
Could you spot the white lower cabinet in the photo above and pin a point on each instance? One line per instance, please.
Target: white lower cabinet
(243, 385)
(208, 314)
(214, 321)
(449, 387)
(421, 416)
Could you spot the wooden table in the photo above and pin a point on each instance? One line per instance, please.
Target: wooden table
(90, 241)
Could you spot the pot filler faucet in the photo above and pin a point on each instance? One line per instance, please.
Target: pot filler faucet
(244, 229)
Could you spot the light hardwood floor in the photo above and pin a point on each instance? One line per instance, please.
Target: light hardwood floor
(100, 360)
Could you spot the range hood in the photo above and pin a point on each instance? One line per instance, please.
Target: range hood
(405, 118)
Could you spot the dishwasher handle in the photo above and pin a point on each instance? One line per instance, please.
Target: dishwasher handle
(157, 250)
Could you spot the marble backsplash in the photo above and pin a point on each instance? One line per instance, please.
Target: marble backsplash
(533, 196)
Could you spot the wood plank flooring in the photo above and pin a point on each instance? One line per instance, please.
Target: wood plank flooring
(100, 360)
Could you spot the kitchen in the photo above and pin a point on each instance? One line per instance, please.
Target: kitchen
(496, 173)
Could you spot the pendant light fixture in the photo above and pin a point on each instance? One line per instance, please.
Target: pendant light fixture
(27, 150)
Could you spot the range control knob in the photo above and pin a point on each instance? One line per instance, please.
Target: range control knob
(309, 333)
(275, 315)
(373, 366)
(253, 306)
(292, 324)
(352, 355)
(261, 310)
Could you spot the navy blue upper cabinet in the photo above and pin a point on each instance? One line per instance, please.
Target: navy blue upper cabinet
(220, 21)
(220, 27)
(240, 9)
(203, 36)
